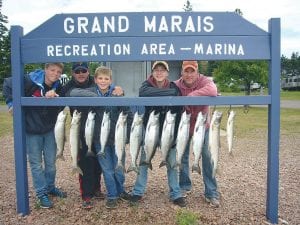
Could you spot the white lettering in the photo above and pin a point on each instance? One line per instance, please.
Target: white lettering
(208, 25)
(190, 25)
(219, 49)
(150, 25)
(163, 25)
(123, 23)
(69, 25)
(158, 49)
(109, 24)
(82, 25)
(176, 22)
(96, 26)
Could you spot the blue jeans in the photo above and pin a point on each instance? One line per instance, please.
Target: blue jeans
(210, 182)
(172, 173)
(113, 179)
(42, 147)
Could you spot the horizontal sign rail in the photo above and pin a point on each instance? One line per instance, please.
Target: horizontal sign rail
(147, 101)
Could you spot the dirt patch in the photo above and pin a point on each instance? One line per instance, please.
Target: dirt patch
(242, 183)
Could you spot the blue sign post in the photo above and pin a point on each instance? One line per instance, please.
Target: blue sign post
(145, 37)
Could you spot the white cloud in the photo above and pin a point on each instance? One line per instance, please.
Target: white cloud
(29, 13)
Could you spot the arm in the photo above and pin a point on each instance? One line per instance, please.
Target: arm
(146, 90)
(7, 91)
(83, 92)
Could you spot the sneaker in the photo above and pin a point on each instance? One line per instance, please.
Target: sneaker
(214, 202)
(125, 196)
(185, 193)
(45, 202)
(180, 202)
(99, 195)
(58, 193)
(134, 199)
(87, 203)
(111, 203)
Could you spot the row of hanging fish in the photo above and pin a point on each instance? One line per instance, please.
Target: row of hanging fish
(151, 138)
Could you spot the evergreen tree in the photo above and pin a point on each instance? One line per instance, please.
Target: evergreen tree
(187, 7)
(5, 65)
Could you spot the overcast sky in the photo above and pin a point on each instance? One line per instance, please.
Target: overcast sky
(31, 13)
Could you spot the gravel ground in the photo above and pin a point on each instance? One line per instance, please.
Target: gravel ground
(241, 179)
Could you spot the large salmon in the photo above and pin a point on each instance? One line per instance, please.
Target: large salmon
(120, 138)
(104, 132)
(89, 132)
(198, 139)
(214, 140)
(59, 132)
(182, 137)
(230, 130)
(135, 141)
(74, 141)
(167, 137)
(151, 138)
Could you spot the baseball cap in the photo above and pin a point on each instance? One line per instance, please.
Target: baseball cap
(164, 63)
(190, 64)
(79, 65)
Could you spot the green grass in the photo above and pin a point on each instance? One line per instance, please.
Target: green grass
(5, 124)
(284, 95)
(290, 95)
(185, 217)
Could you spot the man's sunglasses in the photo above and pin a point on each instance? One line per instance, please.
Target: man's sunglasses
(80, 71)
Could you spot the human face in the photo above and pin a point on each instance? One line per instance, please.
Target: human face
(103, 81)
(160, 74)
(189, 76)
(81, 75)
(52, 74)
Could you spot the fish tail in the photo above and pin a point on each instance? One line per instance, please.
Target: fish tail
(90, 153)
(61, 157)
(132, 168)
(120, 167)
(101, 154)
(77, 170)
(148, 164)
(196, 168)
(163, 163)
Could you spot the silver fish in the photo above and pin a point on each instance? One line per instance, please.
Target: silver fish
(74, 141)
(167, 136)
(104, 132)
(59, 132)
(89, 132)
(151, 138)
(182, 137)
(214, 139)
(120, 139)
(135, 141)
(230, 130)
(198, 139)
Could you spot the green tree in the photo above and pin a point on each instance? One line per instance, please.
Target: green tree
(5, 68)
(233, 74)
(187, 7)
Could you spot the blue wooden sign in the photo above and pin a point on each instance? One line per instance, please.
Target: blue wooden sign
(144, 37)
